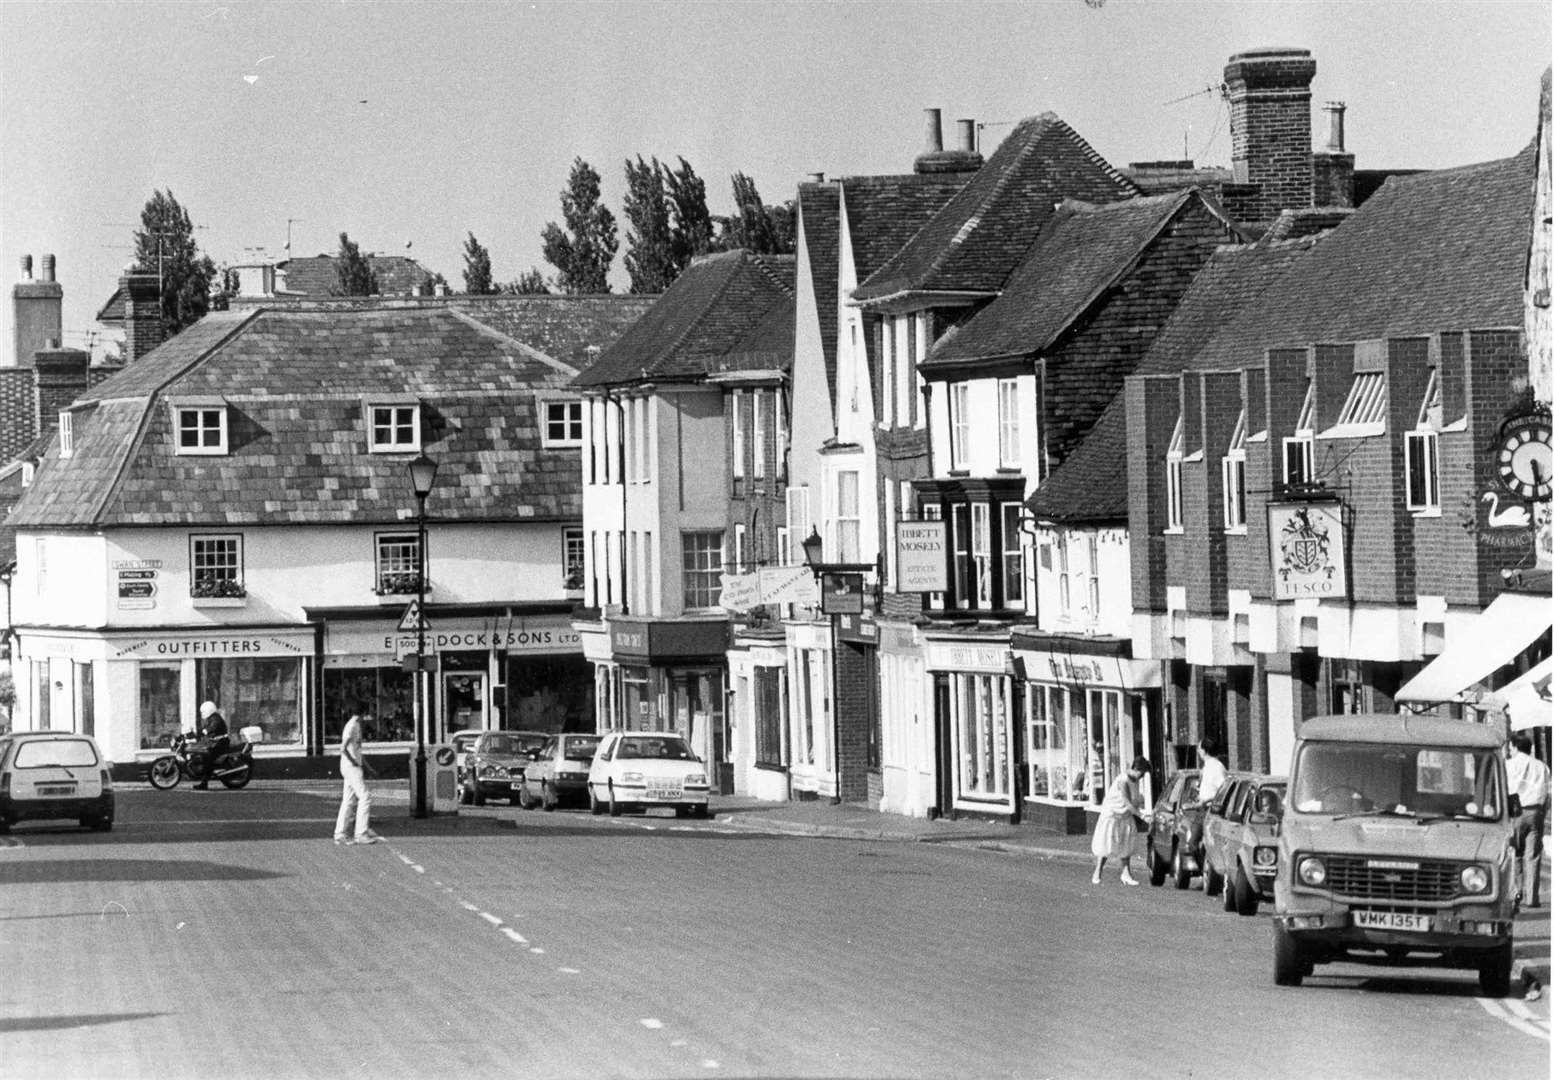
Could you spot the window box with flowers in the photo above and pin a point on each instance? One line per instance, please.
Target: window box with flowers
(572, 585)
(209, 591)
(399, 585)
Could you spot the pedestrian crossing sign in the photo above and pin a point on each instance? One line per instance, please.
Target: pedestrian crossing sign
(413, 620)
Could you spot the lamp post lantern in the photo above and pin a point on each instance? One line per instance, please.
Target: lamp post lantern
(423, 474)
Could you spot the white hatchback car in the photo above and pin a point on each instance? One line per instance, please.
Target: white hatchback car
(640, 769)
(54, 774)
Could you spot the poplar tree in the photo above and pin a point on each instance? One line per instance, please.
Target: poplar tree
(353, 272)
(649, 239)
(583, 250)
(477, 269)
(164, 245)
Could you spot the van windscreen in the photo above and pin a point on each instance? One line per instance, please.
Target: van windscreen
(1397, 780)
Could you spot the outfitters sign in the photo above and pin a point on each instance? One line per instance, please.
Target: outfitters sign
(1306, 551)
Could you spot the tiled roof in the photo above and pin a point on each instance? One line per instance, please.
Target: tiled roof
(1092, 484)
(572, 329)
(315, 275)
(295, 383)
(979, 236)
(1083, 251)
(819, 210)
(1157, 180)
(885, 212)
(720, 304)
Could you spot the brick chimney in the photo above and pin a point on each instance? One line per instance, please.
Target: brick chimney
(61, 377)
(37, 311)
(1332, 167)
(1270, 127)
(143, 329)
(936, 159)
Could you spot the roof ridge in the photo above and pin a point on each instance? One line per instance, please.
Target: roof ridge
(507, 339)
(712, 300)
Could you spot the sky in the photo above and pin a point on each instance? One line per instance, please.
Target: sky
(410, 125)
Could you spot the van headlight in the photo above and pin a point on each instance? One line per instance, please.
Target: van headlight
(1265, 857)
(1313, 871)
(1475, 879)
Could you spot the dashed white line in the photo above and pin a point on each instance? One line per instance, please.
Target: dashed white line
(1500, 1011)
(467, 906)
(569, 971)
(651, 1024)
(515, 935)
(490, 918)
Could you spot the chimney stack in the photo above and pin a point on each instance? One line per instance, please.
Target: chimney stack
(1332, 167)
(934, 136)
(966, 136)
(1270, 126)
(936, 159)
(37, 309)
(143, 329)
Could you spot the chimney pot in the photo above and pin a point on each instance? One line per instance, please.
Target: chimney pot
(817, 177)
(26, 267)
(967, 131)
(934, 138)
(1335, 126)
(48, 268)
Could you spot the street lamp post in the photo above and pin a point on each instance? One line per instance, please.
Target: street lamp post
(814, 548)
(423, 474)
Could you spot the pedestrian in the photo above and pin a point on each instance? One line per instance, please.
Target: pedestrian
(1117, 828)
(1529, 782)
(354, 771)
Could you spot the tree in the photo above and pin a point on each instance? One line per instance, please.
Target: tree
(762, 229)
(529, 283)
(649, 243)
(164, 245)
(477, 269)
(353, 271)
(430, 286)
(583, 251)
(692, 232)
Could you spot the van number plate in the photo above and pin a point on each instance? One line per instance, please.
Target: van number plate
(46, 790)
(1392, 920)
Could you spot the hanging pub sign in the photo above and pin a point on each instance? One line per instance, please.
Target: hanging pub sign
(922, 557)
(841, 593)
(1306, 551)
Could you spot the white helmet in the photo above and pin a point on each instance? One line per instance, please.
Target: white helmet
(206, 708)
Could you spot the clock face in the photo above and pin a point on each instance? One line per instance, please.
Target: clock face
(1525, 460)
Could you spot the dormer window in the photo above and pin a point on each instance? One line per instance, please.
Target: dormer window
(201, 427)
(1365, 410)
(1299, 449)
(67, 439)
(1233, 477)
(563, 423)
(1421, 452)
(1173, 468)
(394, 427)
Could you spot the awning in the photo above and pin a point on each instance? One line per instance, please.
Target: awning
(1526, 699)
(1502, 630)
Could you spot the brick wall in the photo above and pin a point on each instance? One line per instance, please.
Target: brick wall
(143, 330)
(18, 411)
(1152, 404)
(857, 689)
(1270, 127)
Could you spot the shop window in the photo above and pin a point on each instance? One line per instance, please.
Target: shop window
(701, 566)
(1047, 743)
(216, 566)
(201, 429)
(563, 423)
(770, 746)
(384, 694)
(1173, 476)
(982, 728)
(160, 692)
(399, 564)
(1233, 478)
(394, 428)
(264, 692)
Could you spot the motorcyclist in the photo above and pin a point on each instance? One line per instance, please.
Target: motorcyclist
(213, 741)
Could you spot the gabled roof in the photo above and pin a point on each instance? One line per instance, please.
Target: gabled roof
(978, 237)
(719, 305)
(819, 212)
(885, 212)
(1092, 484)
(295, 384)
(1083, 252)
(315, 275)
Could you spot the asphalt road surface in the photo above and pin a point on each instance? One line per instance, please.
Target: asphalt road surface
(223, 933)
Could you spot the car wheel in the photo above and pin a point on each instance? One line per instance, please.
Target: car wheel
(1494, 971)
(476, 796)
(701, 810)
(682, 811)
(615, 807)
(547, 797)
(1181, 876)
(5, 825)
(1157, 869)
(1246, 896)
(1289, 966)
(1213, 881)
(1229, 894)
(595, 807)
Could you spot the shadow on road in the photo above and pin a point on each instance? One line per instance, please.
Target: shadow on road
(58, 871)
(62, 1023)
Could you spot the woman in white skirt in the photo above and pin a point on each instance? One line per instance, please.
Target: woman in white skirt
(1116, 835)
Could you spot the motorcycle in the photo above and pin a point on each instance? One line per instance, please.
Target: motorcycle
(234, 767)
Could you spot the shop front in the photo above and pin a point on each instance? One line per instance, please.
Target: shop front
(1089, 710)
(907, 772)
(976, 703)
(669, 675)
(758, 730)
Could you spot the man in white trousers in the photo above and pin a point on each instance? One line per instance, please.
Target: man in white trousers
(353, 769)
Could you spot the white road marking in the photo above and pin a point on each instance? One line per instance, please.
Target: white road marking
(515, 935)
(569, 971)
(492, 919)
(651, 1024)
(710, 1063)
(467, 906)
(1500, 1011)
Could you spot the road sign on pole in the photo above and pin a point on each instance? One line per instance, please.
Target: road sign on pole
(413, 620)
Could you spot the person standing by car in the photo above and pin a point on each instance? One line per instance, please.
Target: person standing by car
(1528, 779)
(353, 770)
(1211, 771)
(212, 743)
(1116, 830)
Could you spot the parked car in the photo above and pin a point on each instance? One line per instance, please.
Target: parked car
(1174, 846)
(639, 769)
(462, 741)
(54, 774)
(1241, 841)
(494, 766)
(558, 772)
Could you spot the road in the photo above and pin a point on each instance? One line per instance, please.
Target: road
(223, 932)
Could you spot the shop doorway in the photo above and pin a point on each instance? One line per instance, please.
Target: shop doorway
(463, 700)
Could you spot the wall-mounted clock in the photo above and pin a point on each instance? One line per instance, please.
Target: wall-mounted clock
(1524, 461)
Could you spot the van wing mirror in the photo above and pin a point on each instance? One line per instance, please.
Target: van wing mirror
(1514, 805)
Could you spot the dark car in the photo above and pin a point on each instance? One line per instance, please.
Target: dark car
(494, 767)
(1174, 846)
(1241, 840)
(558, 772)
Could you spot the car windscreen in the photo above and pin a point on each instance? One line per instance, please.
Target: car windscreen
(673, 749)
(578, 749)
(45, 753)
(512, 745)
(1397, 780)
